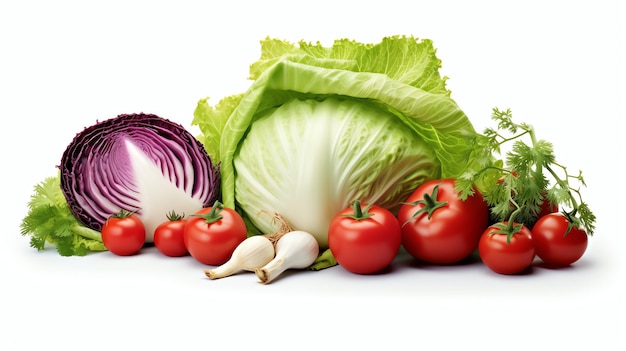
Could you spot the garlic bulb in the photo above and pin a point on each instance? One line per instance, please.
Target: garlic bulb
(252, 253)
(295, 249)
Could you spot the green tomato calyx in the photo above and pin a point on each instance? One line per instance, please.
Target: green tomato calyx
(359, 213)
(509, 229)
(123, 214)
(430, 202)
(214, 214)
(173, 216)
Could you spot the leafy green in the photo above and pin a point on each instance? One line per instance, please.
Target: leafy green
(321, 127)
(404, 59)
(324, 260)
(49, 220)
(211, 122)
(516, 187)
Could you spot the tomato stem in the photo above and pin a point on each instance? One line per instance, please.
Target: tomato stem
(214, 214)
(173, 216)
(359, 212)
(430, 204)
(571, 218)
(509, 229)
(123, 214)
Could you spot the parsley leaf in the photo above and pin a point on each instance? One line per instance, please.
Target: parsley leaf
(515, 187)
(50, 221)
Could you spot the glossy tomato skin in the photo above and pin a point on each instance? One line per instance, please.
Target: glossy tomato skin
(452, 232)
(553, 246)
(367, 245)
(169, 238)
(123, 236)
(506, 258)
(213, 243)
(547, 207)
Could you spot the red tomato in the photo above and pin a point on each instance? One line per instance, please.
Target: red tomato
(506, 258)
(501, 179)
(213, 233)
(547, 207)
(364, 240)
(553, 246)
(123, 233)
(169, 236)
(450, 231)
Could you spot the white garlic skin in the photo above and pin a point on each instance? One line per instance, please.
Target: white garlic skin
(294, 250)
(252, 253)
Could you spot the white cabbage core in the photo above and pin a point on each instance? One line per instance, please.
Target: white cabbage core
(157, 195)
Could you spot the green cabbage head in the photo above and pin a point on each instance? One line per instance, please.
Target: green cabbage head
(321, 127)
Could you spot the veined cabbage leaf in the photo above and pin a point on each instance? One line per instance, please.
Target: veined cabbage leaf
(321, 127)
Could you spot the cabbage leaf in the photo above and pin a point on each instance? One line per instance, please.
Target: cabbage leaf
(320, 127)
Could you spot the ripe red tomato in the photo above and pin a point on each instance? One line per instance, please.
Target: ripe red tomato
(553, 246)
(169, 236)
(123, 233)
(547, 207)
(364, 240)
(440, 228)
(506, 257)
(213, 233)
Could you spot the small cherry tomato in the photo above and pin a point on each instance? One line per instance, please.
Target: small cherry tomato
(123, 233)
(169, 236)
(364, 240)
(438, 227)
(554, 244)
(506, 254)
(546, 208)
(212, 234)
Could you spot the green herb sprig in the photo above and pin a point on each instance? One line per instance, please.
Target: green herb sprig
(516, 187)
(49, 220)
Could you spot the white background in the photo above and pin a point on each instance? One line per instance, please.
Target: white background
(63, 65)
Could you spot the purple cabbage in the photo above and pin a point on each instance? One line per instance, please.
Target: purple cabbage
(137, 162)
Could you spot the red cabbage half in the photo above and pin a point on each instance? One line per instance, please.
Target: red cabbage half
(137, 162)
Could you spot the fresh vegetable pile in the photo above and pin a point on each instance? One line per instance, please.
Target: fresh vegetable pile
(336, 155)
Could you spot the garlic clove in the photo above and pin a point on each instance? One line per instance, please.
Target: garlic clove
(252, 253)
(294, 250)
